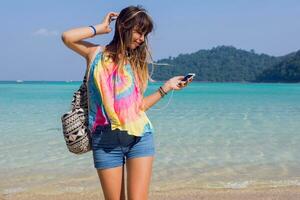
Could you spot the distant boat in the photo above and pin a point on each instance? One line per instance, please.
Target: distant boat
(69, 81)
(19, 81)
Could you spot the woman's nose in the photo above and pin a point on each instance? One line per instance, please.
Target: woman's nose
(142, 38)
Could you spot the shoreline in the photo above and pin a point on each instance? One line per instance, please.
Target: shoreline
(155, 81)
(278, 193)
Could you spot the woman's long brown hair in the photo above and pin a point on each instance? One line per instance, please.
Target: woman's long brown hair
(129, 19)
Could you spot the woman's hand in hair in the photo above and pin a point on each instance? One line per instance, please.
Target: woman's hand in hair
(175, 83)
(107, 20)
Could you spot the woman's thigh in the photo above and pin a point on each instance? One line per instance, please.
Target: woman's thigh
(112, 182)
(139, 167)
(109, 162)
(139, 172)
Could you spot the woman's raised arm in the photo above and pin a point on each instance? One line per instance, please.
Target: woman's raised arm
(73, 38)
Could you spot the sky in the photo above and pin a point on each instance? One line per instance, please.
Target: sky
(31, 30)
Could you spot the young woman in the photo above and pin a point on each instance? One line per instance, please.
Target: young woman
(118, 76)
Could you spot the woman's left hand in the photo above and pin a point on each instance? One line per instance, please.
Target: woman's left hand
(183, 84)
(176, 83)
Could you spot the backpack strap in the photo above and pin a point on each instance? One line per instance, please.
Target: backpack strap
(87, 71)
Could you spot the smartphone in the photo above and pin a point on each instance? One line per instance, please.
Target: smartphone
(189, 75)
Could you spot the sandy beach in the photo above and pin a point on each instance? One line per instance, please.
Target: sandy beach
(280, 193)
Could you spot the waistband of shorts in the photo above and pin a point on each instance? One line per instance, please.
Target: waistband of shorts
(103, 128)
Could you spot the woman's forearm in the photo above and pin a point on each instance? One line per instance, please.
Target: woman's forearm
(153, 98)
(81, 33)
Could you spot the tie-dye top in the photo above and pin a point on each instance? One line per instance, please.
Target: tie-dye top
(115, 98)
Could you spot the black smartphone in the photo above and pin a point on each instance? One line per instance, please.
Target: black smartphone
(189, 75)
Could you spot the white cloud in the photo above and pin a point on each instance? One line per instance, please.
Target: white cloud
(45, 32)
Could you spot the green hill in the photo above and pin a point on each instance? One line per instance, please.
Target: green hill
(228, 64)
(288, 70)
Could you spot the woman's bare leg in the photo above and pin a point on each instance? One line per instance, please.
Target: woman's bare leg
(139, 172)
(113, 183)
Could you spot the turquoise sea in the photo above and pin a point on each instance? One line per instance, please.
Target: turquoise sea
(211, 135)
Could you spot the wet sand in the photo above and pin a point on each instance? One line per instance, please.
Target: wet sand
(279, 193)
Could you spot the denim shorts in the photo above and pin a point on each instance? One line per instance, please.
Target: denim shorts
(111, 148)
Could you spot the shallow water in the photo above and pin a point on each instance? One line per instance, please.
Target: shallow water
(224, 135)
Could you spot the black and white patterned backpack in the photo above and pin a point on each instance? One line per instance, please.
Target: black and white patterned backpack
(75, 122)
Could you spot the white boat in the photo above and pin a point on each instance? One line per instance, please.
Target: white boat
(19, 81)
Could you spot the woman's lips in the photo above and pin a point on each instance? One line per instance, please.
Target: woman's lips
(136, 44)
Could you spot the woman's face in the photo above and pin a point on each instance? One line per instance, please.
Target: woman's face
(138, 39)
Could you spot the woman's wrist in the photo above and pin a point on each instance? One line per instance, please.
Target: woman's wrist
(166, 87)
(101, 29)
(161, 92)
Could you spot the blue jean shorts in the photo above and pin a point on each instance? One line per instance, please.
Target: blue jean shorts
(111, 148)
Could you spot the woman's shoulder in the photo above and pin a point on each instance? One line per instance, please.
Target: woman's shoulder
(94, 50)
(93, 53)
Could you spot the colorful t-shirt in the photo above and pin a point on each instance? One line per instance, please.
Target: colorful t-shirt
(115, 98)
